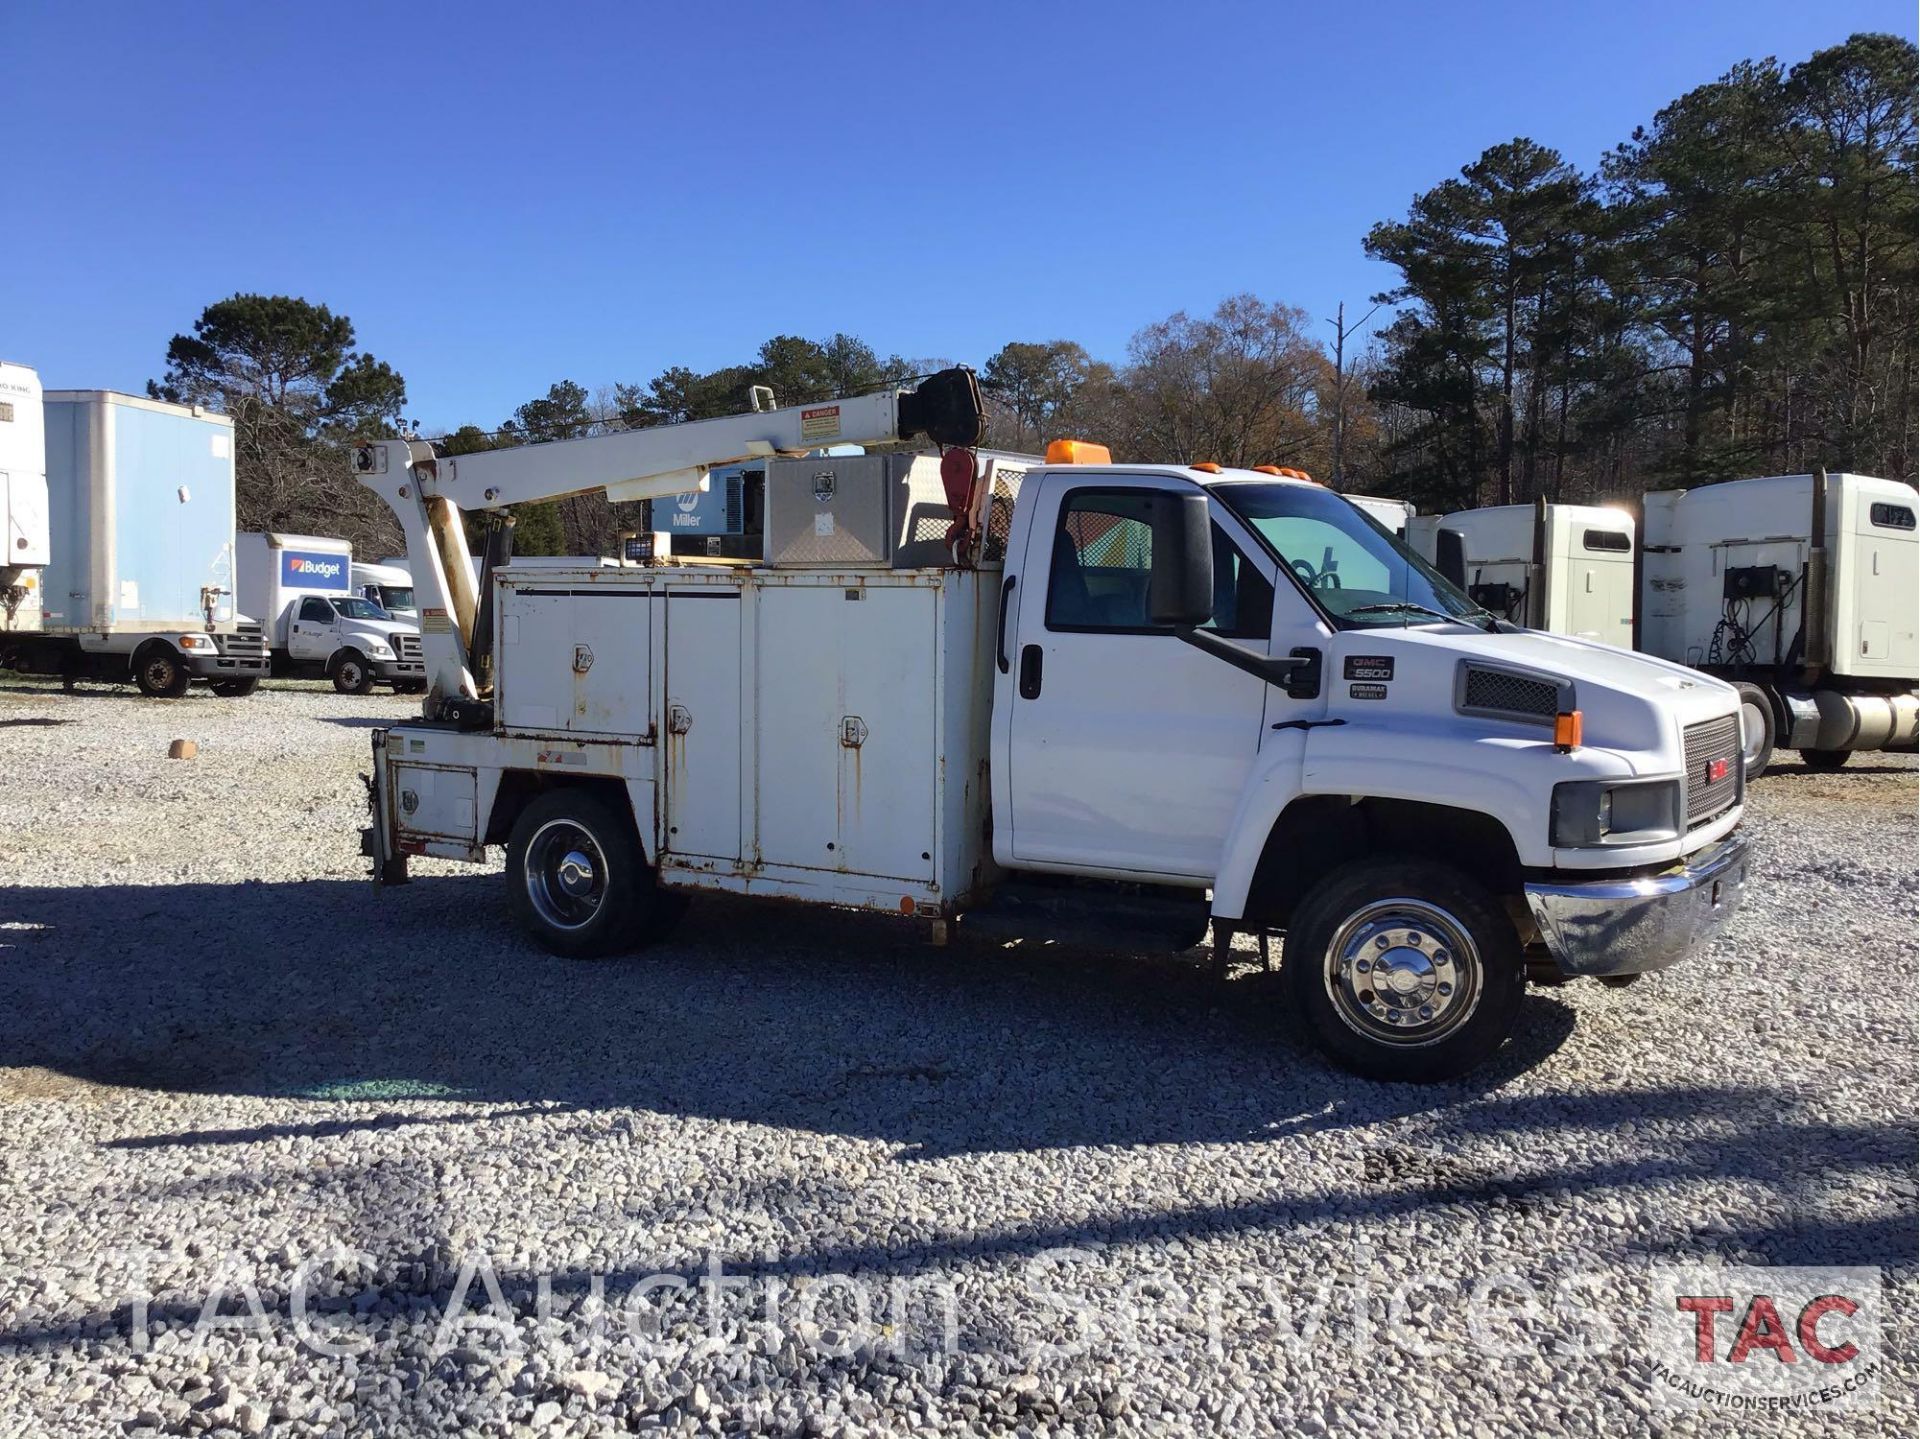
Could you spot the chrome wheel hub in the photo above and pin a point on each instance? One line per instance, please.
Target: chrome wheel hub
(1403, 972)
(566, 874)
(1752, 728)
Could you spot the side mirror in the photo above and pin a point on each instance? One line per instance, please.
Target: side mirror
(1450, 557)
(1180, 584)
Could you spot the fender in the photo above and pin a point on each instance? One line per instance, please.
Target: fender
(1506, 780)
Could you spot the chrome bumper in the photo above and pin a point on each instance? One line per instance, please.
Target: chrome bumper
(1629, 926)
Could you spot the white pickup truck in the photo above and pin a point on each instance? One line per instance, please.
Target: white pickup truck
(1182, 695)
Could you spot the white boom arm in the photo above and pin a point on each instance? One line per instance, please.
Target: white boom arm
(428, 494)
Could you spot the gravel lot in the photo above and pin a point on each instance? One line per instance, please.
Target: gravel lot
(220, 1055)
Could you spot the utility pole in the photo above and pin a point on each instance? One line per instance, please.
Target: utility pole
(1340, 333)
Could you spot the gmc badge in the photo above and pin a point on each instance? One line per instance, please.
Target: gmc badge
(1368, 667)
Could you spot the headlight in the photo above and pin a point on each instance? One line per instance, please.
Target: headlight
(1606, 812)
(380, 652)
(195, 642)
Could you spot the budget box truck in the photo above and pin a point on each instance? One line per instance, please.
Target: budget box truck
(318, 626)
(137, 583)
(1147, 716)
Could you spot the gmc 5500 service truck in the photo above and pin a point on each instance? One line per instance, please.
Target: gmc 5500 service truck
(1184, 695)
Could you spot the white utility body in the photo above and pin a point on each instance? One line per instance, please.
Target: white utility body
(1803, 590)
(1184, 695)
(1564, 568)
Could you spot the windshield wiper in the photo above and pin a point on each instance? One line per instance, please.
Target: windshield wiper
(1407, 607)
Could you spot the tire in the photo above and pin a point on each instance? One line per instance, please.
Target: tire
(235, 689)
(160, 673)
(577, 882)
(350, 673)
(1825, 760)
(1433, 921)
(1756, 714)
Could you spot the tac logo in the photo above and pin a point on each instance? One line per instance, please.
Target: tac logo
(1754, 1339)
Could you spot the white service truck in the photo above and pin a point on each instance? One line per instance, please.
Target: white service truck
(1564, 568)
(317, 625)
(119, 535)
(1186, 695)
(1803, 591)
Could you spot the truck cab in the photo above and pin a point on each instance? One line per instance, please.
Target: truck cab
(1187, 696)
(388, 586)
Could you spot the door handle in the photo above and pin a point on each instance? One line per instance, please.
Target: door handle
(1000, 637)
(1030, 659)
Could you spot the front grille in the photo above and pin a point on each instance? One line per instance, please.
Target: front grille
(248, 642)
(1707, 742)
(407, 647)
(1501, 692)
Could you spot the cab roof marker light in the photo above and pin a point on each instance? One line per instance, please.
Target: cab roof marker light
(1207, 467)
(1078, 452)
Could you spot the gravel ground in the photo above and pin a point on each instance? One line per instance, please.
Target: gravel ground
(947, 1188)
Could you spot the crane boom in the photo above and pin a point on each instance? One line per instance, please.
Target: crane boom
(429, 494)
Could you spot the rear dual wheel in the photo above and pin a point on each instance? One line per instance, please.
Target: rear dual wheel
(577, 881)
(1405, 970)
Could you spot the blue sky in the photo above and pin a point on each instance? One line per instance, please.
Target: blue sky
(501, 196)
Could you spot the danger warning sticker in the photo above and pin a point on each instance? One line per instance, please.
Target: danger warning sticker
(820, 423)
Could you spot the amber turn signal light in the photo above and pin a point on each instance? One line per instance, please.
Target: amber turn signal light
(1566, 730)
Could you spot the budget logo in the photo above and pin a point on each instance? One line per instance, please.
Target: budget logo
(1763, 1340)
(311, 571)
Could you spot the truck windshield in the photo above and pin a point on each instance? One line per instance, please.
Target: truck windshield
(355, 608)
(396, 597)
(1360, 574)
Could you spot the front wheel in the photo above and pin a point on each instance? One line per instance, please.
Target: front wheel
(577, 881)
(1824, 759)
(352, 675)
(1756, 729)
(161, 674)
(1405, 970)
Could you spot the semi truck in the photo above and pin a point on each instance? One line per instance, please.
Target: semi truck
(1802, 591)
(317, 625)
(1154, 714)
(388, 586)
(1564, 568)
(120, 529)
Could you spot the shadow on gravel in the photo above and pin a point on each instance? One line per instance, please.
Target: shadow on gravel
(845, 1024)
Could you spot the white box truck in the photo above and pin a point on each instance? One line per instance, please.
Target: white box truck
(1148, 717)
(1804, 592)
(24, 538)
(301, 587)
(1568, 569)
(137, 583)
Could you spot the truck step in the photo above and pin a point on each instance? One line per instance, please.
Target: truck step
(1089, 918)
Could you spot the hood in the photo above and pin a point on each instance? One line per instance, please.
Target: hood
(1629, 702)
(386, 629)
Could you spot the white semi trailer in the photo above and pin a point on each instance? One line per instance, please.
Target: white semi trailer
(119, 514)
(1153, 713)
(1564, 568)
(1803, 591)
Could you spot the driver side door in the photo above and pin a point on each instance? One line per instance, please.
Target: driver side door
(1128, 749)
(310, 635)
